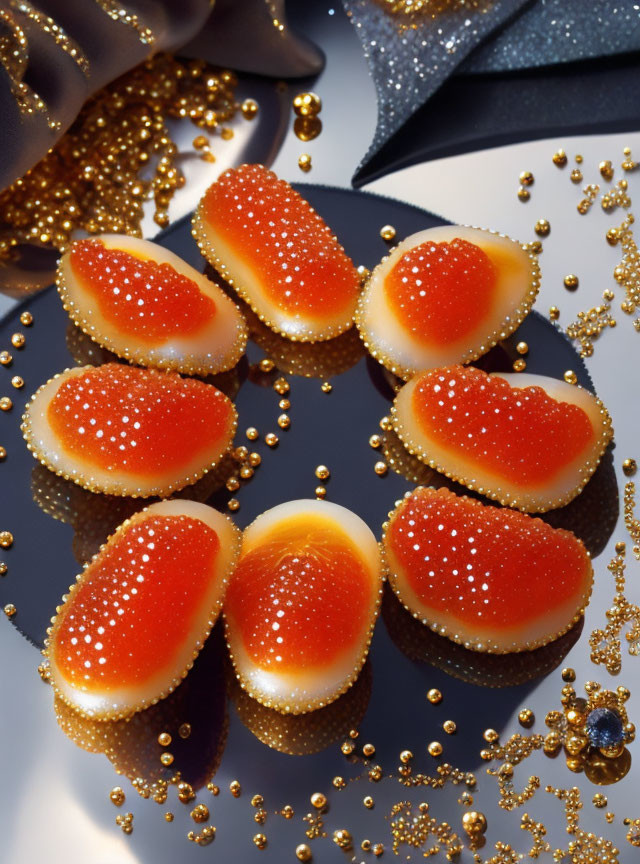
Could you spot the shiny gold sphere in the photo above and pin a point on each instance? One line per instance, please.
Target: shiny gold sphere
(526, 178)
(571, 281)
(542, 227)
(303, 852)
(319, 800)
(307, 104)
(474, 823)
(629, 467)
(570, 377)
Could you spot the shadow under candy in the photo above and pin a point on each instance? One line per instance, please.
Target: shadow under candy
(419, 643)
(303, 734)
(132, 745)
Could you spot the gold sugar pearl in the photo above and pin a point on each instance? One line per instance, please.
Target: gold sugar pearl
(307, 104)
(571, 282)
(490, 735)
(318, 800)
(17, 382)
(287, 812)
(320, 492)
(388, 232)
(599, 800)
(385, 424)
(542, 228)
(522, 348)
(164, 739)
(322, 472)
(255, 459)
(579, 159)
(526, 717)
(519, 365)
(167, 759)
(226, 134)
(200, 813)
(184, 730)
(554, 313)
(435, 749)
(304, 162)
(257, 801)
(284, 404)
(233, 504)
(369, 750)
(281, 386)
(267, 365)
(353, 733)
(559, 158)
(434, 696)
(568, 674)
(612, 236)
(629, 467)
(526, 178)
(168, 816)
(260, 841)
(606, 169)
(303, 852)
(570, 377)
(326, 387)
(6, 539)
(235, 788)
(6, 404)
(307, 128)
(342, 838)
(363, 273)
(347, 747)
(338, 782)
(449, 727)
(3, 454)
(246, 472)
(117, 796)
(215, 790)
(5, 358)
(368, 802)
(252, 433)
(620, 548)
(3, 568)
(240, 453)
(381, 468)
(26, 318)
(366, 845)
(10, 610)
(524, 194)
(249, 109)
(576, 175)
(271, 439)
(232, 484)
(535, 246)
(284, 421)
(375, 441)
(474, 823)
(377, 849)
(18, 340)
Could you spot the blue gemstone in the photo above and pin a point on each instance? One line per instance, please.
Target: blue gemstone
(604, 727)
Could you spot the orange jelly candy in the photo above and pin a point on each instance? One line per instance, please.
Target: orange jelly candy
(146, 304)
(133, 623)
(302, 603)
(489, 578)
(445, 295)
(128, 431)
(528, 441)
(278, 253)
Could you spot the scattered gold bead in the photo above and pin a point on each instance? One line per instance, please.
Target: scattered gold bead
(339, 782)
(117, 796)
(240, 453)
(599, 800)
(18, 340)
(490, 735)
(246, 472)
(255, 459)
(318, 800)
(542, 227)
(347, 747)
(366, 845)
(368, 802)
(26, 318)
(613, 236)
(342, 838)
(322, 472)
(559, 158)
(449, 727)
(434, 696)
(522, 348)
(524, 194)
(576, 175)
(168, 816)
(307, 104)
(571, 282)
(320, 492)
(3, 454)
(406, 756)
(629, 467)
(535, 246)
(375, 441)
(554, 313)
(232, 484)
(10, 610)
(474, 823)
(381, 468)
(287, 812)
(271, 439)
(606, 169)
(249, 109)
(184, 730)
(570, 377)
(17, 382)
(620, 548)
(215, 790)
(385, 424)
(235, 788)
(377, 849)
(260, 841)
(369, 750)
(200, 813)
(375, 774)
(166, 759)
(353, 733)
(579, 159)
(257, 801)
(303, 852)
(284, 404)
(526, 178)
(6, 539)
(3, 568)
(304, 162)
(435, 748)
(164, 739)
(568, 674)
(252, 433)
(326, 387)
(5, 358)
(281, 386)
(6, 404)
(266, 364)
(519, 365)
(233, 504)
(526, 717)
(284, 421)
(388, 232)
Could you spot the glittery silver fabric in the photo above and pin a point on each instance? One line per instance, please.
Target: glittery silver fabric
(409, 63)
(561, 31)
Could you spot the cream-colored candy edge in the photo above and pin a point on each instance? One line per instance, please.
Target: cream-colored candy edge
(479, 646)
(116, 488)
(198, 644)
(497, 335)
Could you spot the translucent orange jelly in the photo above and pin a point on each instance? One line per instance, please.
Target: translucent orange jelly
(120, 418)
(495, 567)
(276, 233)
(441, 292)
(145, 299)
(519, 433)
(137, 603)
(298, 598)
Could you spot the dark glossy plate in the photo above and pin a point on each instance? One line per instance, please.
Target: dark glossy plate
(57, 526)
